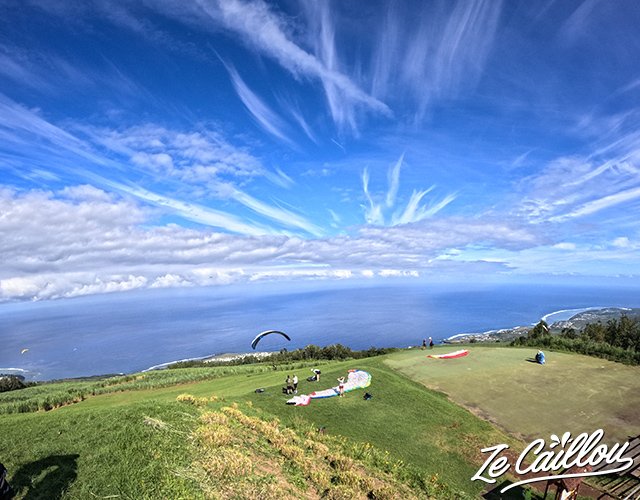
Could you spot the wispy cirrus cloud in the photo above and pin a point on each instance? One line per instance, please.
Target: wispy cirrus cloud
(160, 155)
(323, 38)
(280, 178)
(53, 75)
(263, 30)
(12, 68)
(193, 211)
(373, 213)
(19, 127)
(598, 204)
(569, 188)
(281, 215)
(583, 185)
(578, 22)
(299, 118)
(268, 119)
(394, 182)
(437, 57)
(413, 211)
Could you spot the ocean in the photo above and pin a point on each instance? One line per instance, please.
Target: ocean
(132, 331)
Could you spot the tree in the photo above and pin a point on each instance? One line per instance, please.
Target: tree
(539, 331)
(595, 332)
(626, 327)
(11, 383)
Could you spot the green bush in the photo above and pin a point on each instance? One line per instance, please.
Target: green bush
(583, 344)
(310, 352)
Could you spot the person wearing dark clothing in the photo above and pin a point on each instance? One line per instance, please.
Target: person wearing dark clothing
(6, 493)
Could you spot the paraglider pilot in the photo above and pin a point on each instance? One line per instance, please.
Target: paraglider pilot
(341, 386)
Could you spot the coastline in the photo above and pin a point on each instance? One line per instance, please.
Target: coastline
(564, 312)
(212, 358)
(498, 335)
(556, 320)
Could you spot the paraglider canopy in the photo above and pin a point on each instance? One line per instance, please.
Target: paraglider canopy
(268, 332)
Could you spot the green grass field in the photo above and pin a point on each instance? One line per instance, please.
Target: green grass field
(569, 393)
(140, 443)
(420, 427)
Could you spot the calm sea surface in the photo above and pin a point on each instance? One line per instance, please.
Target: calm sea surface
(119, 333)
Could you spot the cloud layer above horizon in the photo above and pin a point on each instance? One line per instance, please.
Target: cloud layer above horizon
(165, 143)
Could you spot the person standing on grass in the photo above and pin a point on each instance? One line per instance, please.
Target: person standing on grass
(289, 383)
(295, 384)
(430, 343)
(341, 386)
(424, 344)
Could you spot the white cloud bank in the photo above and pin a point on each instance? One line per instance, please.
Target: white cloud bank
(82, 240)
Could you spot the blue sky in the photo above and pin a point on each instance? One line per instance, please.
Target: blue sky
(176, 143)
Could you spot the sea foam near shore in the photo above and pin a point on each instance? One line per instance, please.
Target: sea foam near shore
(211, 359)
(566, 314)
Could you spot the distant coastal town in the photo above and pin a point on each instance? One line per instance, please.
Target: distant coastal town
(576, 321)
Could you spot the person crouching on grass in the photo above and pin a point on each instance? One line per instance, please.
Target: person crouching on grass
(341, 386)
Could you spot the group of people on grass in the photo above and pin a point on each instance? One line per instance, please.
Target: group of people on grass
(292, 382)
(424, 343)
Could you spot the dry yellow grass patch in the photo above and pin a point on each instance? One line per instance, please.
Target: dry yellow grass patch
(302, 465)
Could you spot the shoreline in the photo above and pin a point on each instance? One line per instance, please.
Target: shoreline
(579, 310)
(558, 317)
(211, 358)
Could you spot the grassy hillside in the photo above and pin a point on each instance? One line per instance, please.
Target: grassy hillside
(53, 395)
(146, 443)
(570, 392)
(420, 427)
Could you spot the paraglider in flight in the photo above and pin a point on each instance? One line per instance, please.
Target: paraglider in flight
(23, 351)
(268, 332)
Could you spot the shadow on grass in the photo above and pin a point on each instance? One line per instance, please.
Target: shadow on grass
(517, 493)
(47, 478)
(531, 360)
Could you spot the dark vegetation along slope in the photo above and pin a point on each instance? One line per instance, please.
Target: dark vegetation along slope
(600, 335)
